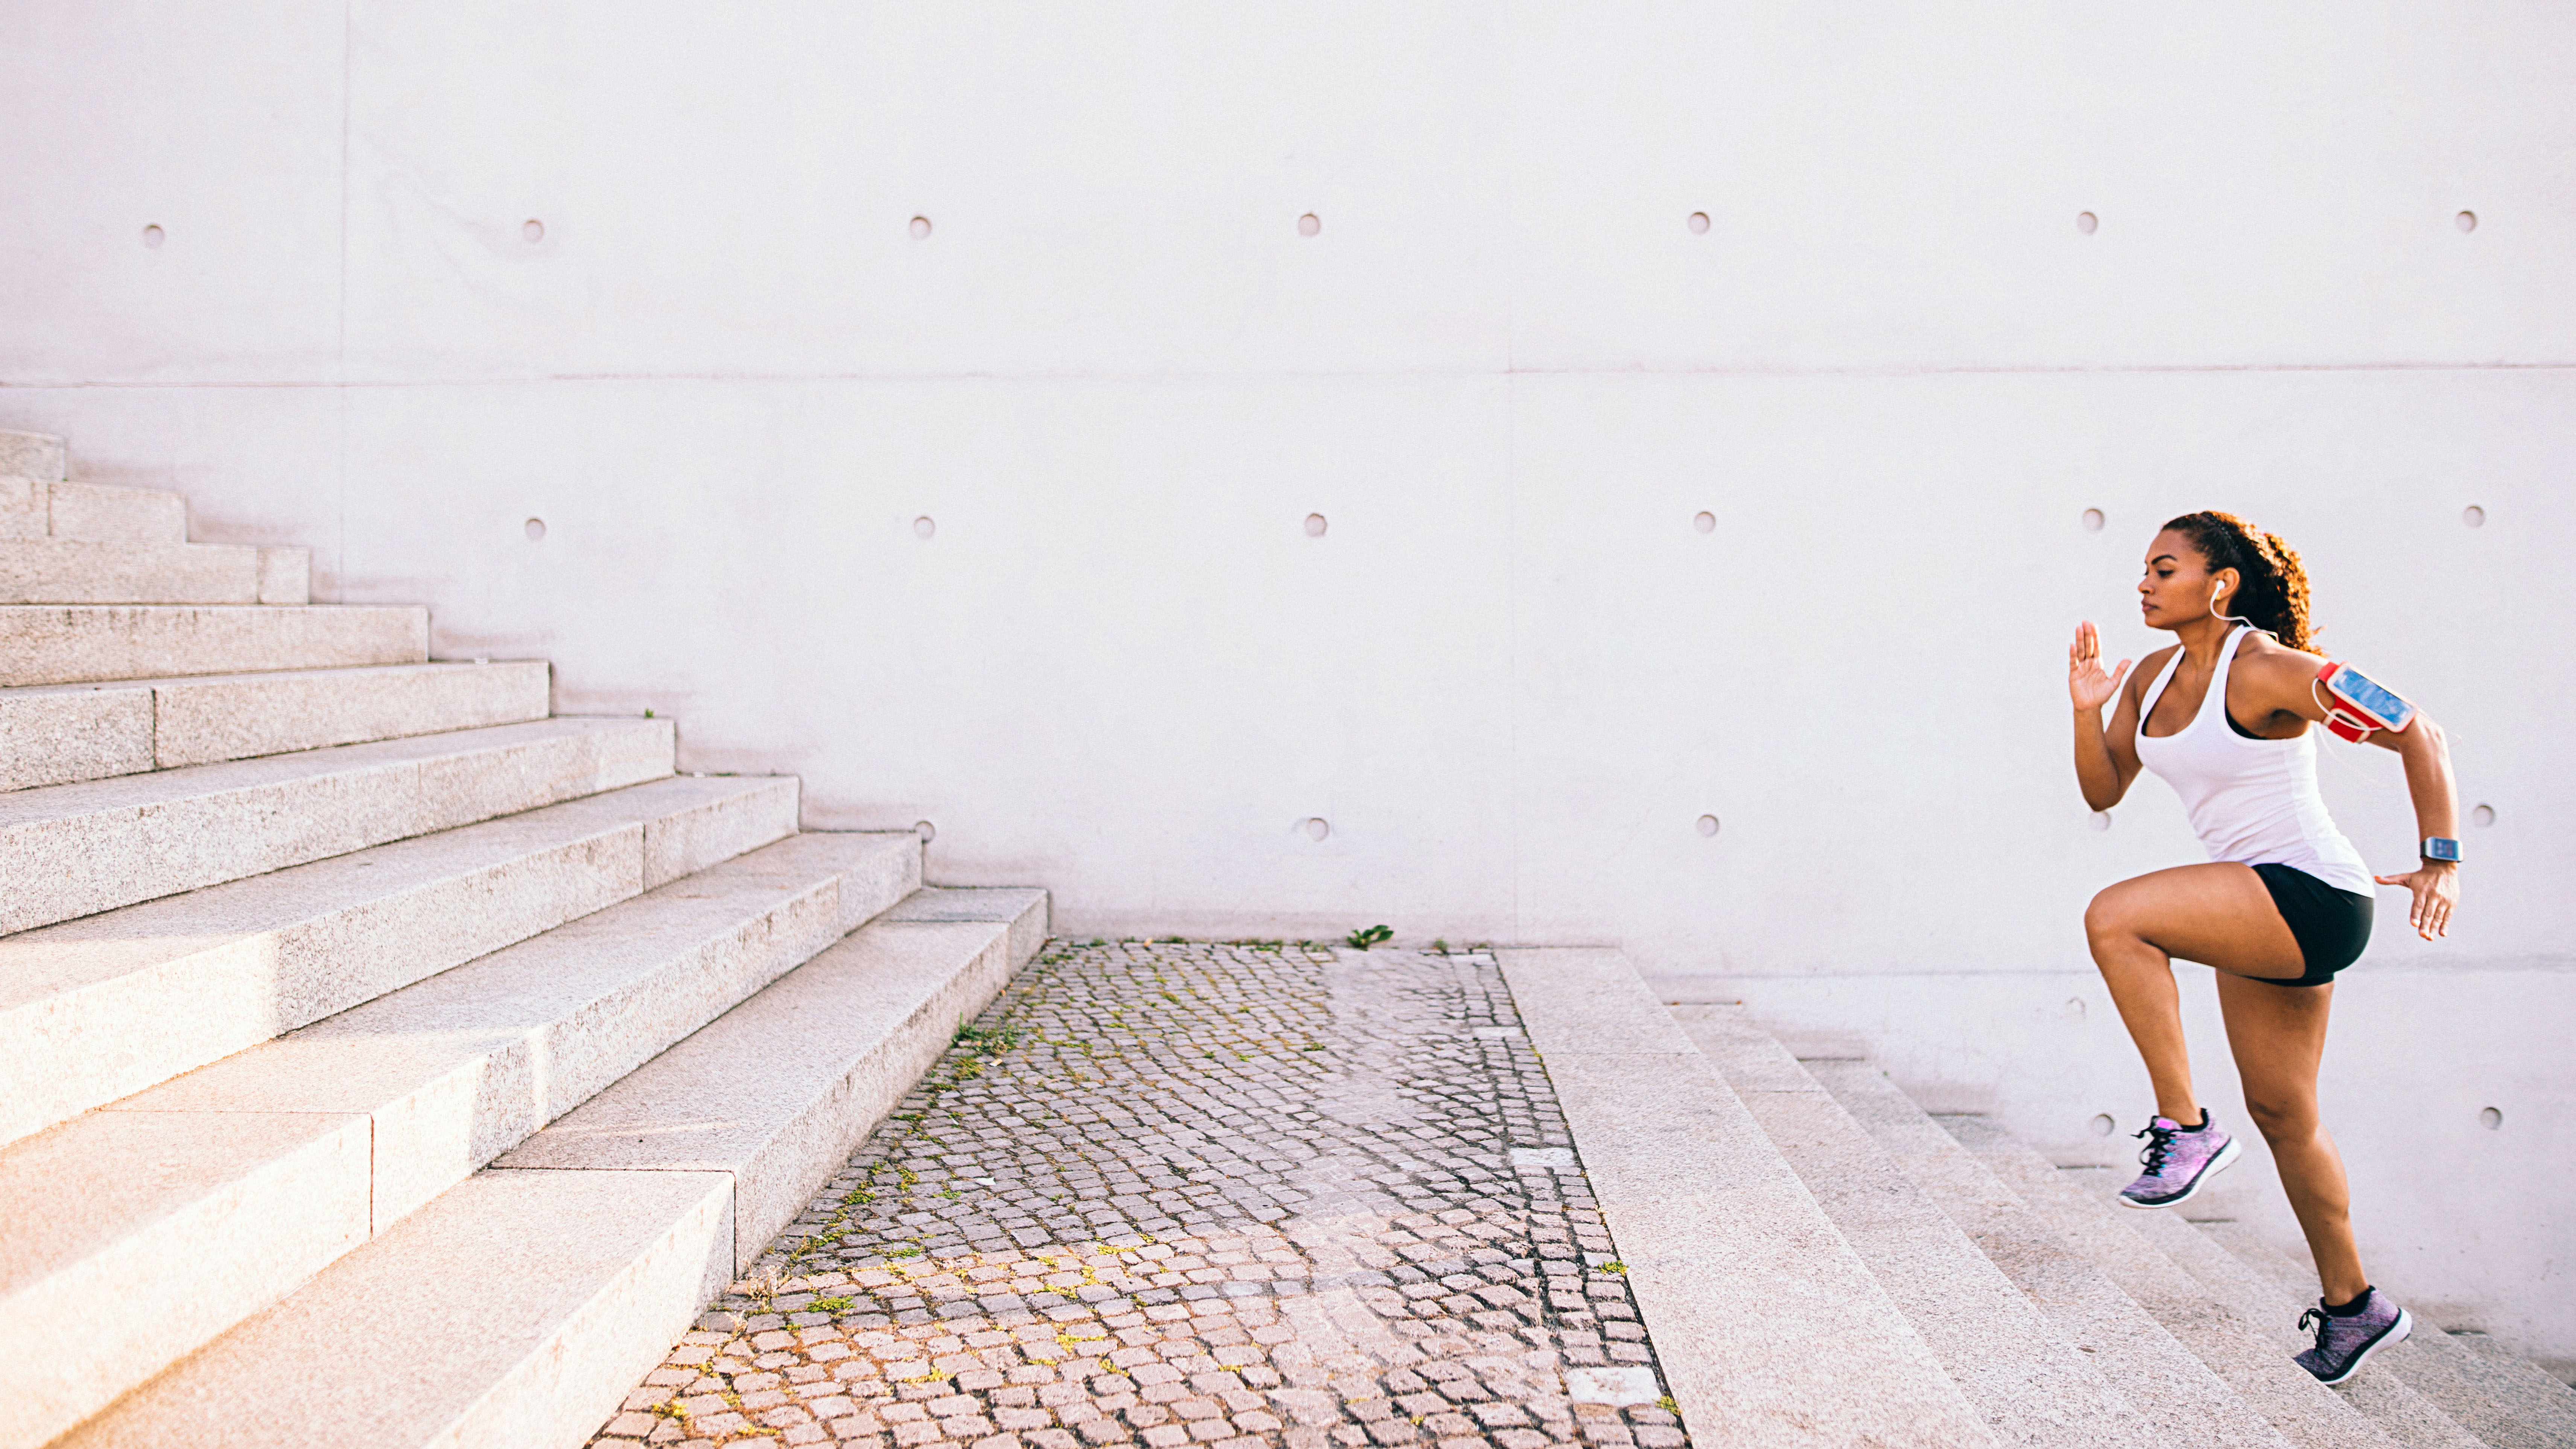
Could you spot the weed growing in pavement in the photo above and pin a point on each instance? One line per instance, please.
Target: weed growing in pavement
(1369, 936)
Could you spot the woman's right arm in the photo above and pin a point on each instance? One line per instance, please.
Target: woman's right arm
(2105, 761)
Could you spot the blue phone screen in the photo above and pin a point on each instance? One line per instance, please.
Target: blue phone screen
(2352, 684)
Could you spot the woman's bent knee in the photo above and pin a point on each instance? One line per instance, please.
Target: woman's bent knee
(2280, 1121)
(2106, 918)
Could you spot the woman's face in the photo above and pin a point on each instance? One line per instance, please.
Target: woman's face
(2178, 586)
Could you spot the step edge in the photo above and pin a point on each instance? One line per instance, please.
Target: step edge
(374, 1170)
(508, 856)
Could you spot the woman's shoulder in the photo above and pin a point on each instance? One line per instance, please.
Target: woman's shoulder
(2260, 651)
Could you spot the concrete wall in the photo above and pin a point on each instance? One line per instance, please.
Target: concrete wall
(1512, 675)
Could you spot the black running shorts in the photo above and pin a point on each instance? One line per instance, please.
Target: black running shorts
(2331, 925)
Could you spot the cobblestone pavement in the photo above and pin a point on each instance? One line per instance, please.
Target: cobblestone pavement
(1185, 1194)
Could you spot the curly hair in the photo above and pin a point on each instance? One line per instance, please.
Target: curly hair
(2274, 594)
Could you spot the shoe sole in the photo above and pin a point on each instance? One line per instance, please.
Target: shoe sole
(2225, 1159)
(2395, 1333)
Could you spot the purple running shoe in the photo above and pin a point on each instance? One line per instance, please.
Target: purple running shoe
(2346, 1342)
(2178, 1161)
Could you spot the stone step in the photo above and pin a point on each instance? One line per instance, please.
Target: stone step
(2380, 1396)
(25, 503)
(778, 1090)
(107, 513)
(87, 643)
(96, 1009)
(75, 850)
(445, 1074)
(511, 1313)
(2030, 1386)
(2258, 1368)
(518, 1307)
(2156, 1374)
(55, 571)
(1771, 1329)
(2506, 1401)
(56, 734)
(40, 456)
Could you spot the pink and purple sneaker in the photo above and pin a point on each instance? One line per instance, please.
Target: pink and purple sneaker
(2347, 1337)
(2178, 1160)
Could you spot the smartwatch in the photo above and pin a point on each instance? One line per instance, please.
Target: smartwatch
(2439, 848)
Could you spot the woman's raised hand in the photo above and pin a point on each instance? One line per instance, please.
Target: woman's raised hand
(2086, 683)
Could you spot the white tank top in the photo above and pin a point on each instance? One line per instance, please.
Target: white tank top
(2251, 800)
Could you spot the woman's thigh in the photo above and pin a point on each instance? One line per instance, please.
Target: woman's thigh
(2219, 914)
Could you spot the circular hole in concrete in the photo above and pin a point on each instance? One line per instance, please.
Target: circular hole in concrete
(2483, 815)
(2101, 819)
(2490, 1119)
(2103, 1125)
(2093, 520)
(535, 529)
(152, 237)
(920, 227)
(1315, 525)
(2466, 221)
(927, 831)
(1704, 522)
(1699, 223)
(1309, 224)
(2474, 516)
(1708, 825)
(2086, 222)
(532, 231)
(922, 527)
(1317, 828)
(2075, 1007)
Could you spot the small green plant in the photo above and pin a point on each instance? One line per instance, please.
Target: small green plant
(1369, 936)
(1171, 940)
(1440, 944)
(1614, 1266)
(1667, 1405)
(834, 1304)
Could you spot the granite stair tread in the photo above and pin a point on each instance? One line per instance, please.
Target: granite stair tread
(2257, 1368)
(2379, 1396)
(165, 1235)
(2503, 1399)
(776, 1090)
(519, 1305)
(94, 1009)
(84, 643)
(56, 734)
(2030, 1385)
(1765, 1319)
(68, 571)
(79, 849)
(2155, 1373)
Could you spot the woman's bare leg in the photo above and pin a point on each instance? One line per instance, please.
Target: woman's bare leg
(2278, 1034)
(2219, 914)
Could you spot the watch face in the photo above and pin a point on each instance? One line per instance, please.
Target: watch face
(2436, 848)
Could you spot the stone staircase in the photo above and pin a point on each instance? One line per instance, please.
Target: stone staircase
(1884, 1276)
(383, 1061)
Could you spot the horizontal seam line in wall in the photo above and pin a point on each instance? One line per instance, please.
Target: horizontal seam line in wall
(1891, 370)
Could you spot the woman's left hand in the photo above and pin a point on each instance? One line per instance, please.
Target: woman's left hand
(2436, 889)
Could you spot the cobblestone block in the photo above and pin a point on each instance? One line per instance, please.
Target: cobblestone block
(1192, 1195)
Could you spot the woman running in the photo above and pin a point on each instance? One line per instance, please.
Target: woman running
(2285, 900)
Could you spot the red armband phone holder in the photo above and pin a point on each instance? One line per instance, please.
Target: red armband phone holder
(2357, 706)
